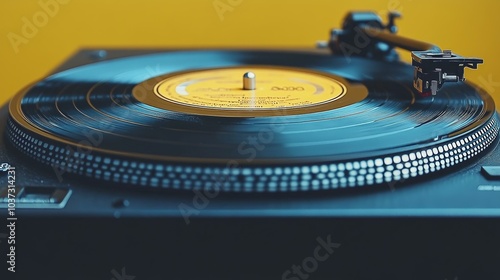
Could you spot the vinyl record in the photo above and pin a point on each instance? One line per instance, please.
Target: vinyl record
(182, 120)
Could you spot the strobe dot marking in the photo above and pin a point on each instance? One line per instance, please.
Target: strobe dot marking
(368, 171)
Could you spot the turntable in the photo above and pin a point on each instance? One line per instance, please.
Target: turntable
(334, 163)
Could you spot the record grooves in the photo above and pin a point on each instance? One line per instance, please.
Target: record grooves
(88, 121)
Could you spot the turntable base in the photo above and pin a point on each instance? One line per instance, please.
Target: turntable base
(443, 226)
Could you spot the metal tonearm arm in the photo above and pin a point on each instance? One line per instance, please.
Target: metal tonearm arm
(364, 34)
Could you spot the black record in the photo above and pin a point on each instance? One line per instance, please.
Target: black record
(87, 121)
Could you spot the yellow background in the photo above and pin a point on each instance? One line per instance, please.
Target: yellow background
(469, 28)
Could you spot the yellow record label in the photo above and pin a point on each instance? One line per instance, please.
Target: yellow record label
(275, 91)
(274, 88)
